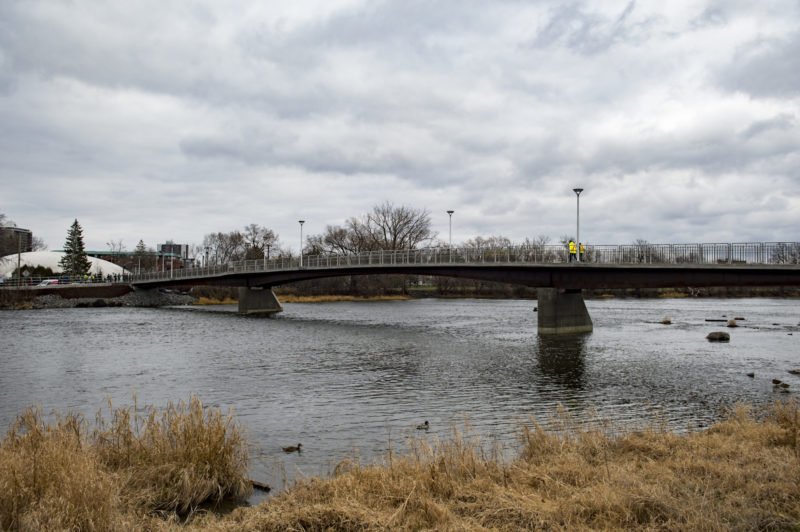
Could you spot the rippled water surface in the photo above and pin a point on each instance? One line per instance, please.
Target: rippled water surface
(350, 379)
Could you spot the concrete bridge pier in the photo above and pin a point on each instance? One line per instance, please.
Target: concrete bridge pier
(562, 311)
(258, 301)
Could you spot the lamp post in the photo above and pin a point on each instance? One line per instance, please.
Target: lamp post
(19, 258)
(266, 263)
(577, 192)
(206, 263)
(450, 241)
(301, 241)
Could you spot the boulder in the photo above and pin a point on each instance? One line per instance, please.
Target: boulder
(666, 320)
(718, 336)
(732, 323)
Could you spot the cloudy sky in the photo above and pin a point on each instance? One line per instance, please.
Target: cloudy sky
(162, 120)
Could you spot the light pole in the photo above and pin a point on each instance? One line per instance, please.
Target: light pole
(577, 192)
(267, 246)
(450, 241)
(301, 241)
(206, 263)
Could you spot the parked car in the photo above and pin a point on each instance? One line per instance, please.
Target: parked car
(48, 282)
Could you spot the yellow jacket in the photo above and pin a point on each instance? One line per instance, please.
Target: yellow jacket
(572, 248)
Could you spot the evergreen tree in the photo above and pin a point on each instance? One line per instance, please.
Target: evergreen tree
(75, 262)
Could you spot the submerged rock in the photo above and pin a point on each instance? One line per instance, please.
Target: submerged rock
(666, 320)
(718, 336)
(732, 323)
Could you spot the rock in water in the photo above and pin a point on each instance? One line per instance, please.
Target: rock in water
(666, 320)
(718, 336)
(732, 323)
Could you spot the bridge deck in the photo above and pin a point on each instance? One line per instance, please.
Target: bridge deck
(508, 266)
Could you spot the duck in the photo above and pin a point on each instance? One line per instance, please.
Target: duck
(293, 448)
(424, 426)
(776, 381)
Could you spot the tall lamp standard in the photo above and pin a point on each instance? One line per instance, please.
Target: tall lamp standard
(577, 192)
(206, 262)
(450, 241)
(301, 241)
(267, 263)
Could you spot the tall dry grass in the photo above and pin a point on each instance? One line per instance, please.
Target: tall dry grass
(174, 459)
(742, 474)
(66, 475)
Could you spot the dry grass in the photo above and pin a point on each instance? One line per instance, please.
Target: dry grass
(174, 459)
(742, 474)
(212, 301)
(62, 476)
(289, 298)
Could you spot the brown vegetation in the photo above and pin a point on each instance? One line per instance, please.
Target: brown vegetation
(742, 474)
(61, 475)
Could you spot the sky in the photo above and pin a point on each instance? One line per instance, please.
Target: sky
(162, 121)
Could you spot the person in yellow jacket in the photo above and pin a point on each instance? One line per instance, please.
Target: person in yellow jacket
(582, 250)
(573, 250)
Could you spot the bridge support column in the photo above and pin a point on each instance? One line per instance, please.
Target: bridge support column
(562, 312)
(258, 301)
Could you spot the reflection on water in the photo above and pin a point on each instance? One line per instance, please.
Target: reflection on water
(353, 379)
(561, 359)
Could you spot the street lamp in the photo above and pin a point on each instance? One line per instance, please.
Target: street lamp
(206, 263)
(301, 241)
(266, 263)
(450, 241)
(577, 192)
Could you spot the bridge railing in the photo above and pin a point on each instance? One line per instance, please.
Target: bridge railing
(766, 253)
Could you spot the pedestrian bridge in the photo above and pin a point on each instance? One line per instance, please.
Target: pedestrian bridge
(558, 277)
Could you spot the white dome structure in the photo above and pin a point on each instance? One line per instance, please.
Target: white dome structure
(50, 259)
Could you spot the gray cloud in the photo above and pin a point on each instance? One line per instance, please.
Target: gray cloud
(765, 68)
(159, 121)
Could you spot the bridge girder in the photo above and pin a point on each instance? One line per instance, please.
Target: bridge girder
(583, 276)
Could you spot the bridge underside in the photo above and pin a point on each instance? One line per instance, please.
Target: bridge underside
(561, 308)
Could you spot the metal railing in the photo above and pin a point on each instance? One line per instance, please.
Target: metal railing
(59, 280)
(759, 253)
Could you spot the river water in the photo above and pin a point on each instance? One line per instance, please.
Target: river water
(353, 379)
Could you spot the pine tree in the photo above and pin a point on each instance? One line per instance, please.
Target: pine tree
(75, 262)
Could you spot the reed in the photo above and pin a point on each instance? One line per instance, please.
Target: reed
(136, 471)
(742, 474)
(176, 458)
(64, 476)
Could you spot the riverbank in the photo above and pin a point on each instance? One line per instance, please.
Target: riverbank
(739, 474)
(136, 298)
(291, 298)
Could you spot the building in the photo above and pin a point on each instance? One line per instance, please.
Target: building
(180, 251)
(15, 239)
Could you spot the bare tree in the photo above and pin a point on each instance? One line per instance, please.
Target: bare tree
(38, 244)
(386, 227)
(116, 246)
(391, 227)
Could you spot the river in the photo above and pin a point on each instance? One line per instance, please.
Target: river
(352, 379)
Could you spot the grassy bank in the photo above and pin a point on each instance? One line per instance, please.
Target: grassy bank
(140, 471)
(124, 472)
